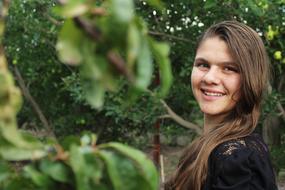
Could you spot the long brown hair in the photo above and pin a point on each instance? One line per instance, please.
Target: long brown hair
(248, 51)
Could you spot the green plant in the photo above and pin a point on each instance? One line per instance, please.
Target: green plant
(109, 41)
(83, 165)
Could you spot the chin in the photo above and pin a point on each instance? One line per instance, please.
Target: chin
(214, 112)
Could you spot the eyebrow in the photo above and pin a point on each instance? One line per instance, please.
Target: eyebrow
(223, 62)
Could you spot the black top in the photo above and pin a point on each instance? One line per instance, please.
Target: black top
(240, 164)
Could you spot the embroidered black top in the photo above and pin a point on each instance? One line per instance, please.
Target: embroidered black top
(241, 164)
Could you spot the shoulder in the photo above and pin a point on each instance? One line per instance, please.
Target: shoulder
(242, 163)
(249, 144)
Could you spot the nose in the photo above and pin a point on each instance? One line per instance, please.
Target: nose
(212, 76)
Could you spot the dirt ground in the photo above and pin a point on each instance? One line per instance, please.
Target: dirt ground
(281, 185)
(171, 156)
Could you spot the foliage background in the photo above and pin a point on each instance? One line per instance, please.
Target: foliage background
(30, 46)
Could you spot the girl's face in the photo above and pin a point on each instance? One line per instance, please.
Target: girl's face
(215, 78)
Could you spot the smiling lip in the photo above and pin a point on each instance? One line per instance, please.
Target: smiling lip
(210, 94)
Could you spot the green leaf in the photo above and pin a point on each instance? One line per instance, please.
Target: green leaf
(94, 93)
(156, 3)
(210, 4)
(134, 40)
(122, 10)
(254, 7)
(13, 153)
(38, 178)
(56, 170)
(96, 75)
(96, 67)
(114, 174)
(21, 183)
(143, 165)
(161, 51)
(69, 43)
(88, 139)
(94, 168)
(69, 140)
(10, 133)
(87, 168)
(5, 171)
(121, 171)
(72, 8)
(144, 66)
(5, 80)
(78, 165)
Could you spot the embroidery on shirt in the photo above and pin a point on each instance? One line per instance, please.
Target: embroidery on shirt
(231, 146)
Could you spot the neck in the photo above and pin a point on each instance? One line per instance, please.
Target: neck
(212, 121)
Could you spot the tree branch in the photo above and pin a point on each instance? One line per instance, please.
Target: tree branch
(172, 115)
(53, 20)
(114, 58)
(118, 62)
(281, 109)
(89, 29)
(281, 82)
(30, 99)
(180, 120)
(168, 36)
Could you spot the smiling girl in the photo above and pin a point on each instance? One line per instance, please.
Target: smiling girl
(229, 79)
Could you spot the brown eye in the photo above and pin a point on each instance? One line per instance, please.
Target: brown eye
(231, 69)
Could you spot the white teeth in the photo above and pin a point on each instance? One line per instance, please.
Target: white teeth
(212, 94)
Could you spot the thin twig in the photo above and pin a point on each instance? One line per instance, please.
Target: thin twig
(166, 116)
(162, 174)
(114, 58)
(169, 36)
(118, 62)
(32, 101)
(53, 20)
(89, 29)
(281, 109)
(281, 82)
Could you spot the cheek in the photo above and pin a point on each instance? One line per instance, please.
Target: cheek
(195, 77)
(234, 86)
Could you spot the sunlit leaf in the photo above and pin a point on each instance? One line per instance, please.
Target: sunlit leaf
(12, 135)
(93, 89)
(17, 154)
(95, 94)
(134, 40)
(72, 8)
(161, 51)
(144, 66)
(122, 10)
(69, 42)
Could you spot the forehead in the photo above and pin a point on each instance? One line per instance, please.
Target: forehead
(214, 49)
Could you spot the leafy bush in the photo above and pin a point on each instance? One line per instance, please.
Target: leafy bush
(83, 165)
